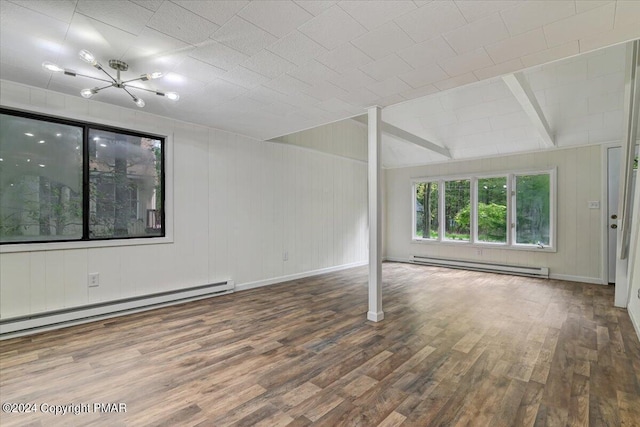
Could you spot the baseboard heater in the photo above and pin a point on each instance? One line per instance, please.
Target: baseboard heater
(25, 325)
(519, 270)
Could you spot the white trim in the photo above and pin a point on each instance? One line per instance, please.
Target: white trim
(635, 323)
(397, 259)
(375, 317)
(281, 279)
(604, 207)
(581, 279)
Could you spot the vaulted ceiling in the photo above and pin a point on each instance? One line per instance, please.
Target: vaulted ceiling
(271, 68)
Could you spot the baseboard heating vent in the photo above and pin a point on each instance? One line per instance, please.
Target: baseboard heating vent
(519, 270)
(25, 325)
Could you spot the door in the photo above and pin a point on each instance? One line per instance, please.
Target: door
(613, 182)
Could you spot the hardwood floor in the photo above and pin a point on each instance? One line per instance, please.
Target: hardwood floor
(456, 348)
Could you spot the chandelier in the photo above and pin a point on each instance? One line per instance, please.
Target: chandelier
(116, 81)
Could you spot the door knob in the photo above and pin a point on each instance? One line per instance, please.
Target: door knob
(614, 216)
(614, 225)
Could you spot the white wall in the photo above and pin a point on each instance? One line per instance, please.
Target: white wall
(633, 307)
(238, 204)
(579, 240)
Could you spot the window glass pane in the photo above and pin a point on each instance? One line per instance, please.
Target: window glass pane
(532, 209)
(427, 210)
(124, 185)
(456, 209)
(492, 210)
(40, 180)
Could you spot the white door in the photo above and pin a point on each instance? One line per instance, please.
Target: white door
(613, 182)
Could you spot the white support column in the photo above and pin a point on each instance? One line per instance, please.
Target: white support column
(375, 313)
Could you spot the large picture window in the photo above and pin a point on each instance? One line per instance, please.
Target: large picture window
(513, 210)
(66, 181)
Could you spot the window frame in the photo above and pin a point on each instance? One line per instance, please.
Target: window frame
(86, 241)
(473, 242)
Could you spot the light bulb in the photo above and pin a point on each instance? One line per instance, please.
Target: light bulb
(88, 57)
(155, 75)
(172, 96)
(87, 93)
(50, 66)
(139, 102)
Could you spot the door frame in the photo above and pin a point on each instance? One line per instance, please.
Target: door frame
(604, 209)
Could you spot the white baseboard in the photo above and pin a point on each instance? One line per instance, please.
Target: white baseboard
(375, 317)
(396, 259)
(582, 279)
(635, 322)
(276, 280)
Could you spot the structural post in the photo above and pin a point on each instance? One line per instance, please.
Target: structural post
(375, 313)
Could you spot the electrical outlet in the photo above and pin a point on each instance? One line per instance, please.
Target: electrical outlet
(285, 256)
(93, 280)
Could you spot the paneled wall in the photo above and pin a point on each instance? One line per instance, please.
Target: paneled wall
(579, 240)
(239, 205)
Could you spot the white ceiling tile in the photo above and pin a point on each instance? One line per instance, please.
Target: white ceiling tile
(517, 46)
(195, 69)
(297, 48)
(313, 72)
(613, 119)
(277, 17)
(584, 5)
(244, 77)
(151, 45)
(373, 13)
(152, 5)
(324, 91)
(389, 100)
(338, 106)
(466, 62)
(218, 55)
(437, 120)
(607, 102)
(499, 69)
(332, 28)
(592, 22)
(477, 34)
(423, 76)
(618, 34)
(22, 28)
(613, 61)
(360, 96)
(431, 20)
(181, 23)
(124, 15)
(382, 41)
(627, 13)
(29, 76)
(344, 58)
(488, 109)
(351, 79)
(473, 10)
(426, 53)
(59, 9)
(315, 7)
(104, 41)
(533, 14)
(510, 120)
(268, 64)
(457, 81)
(548, 55)
(243, 36)
(218, 11)
(388, 87)
(420, 92)
(220, 90)
(287, 85)
(386, 67)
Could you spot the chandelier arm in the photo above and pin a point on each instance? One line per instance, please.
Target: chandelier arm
(132, 80)
(140, 88)
(99, 67)
(98, 89)
(130, 94)
(95, 78)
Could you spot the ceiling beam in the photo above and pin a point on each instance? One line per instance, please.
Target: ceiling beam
(407, 136)
(519, 86)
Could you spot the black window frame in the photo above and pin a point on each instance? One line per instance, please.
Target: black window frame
(86, 127)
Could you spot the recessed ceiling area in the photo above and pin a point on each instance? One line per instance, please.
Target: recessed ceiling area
(271, 68)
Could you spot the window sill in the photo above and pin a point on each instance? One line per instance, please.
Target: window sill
(58, 246)
(503, 246)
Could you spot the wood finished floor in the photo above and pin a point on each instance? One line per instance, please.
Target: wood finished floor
(456, 348)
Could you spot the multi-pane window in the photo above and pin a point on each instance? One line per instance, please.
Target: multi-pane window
(62, 180)
(426, 205)
(511, 210)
